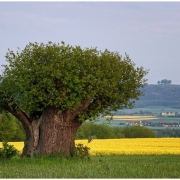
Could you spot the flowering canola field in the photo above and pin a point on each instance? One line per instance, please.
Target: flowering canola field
(134, 146)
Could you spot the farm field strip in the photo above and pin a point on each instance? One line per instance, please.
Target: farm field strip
(140, 118)
(134, 146)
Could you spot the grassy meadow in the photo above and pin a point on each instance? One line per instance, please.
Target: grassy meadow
(119, 166)
(109, 158)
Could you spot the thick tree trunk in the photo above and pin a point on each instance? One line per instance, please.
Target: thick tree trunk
(52, 133)
(28, 143)
(31, 128)
(57, 132)
(32, 139)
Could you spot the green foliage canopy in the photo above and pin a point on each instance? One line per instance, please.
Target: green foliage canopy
(67, 77)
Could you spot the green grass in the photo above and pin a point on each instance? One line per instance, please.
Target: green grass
(166, 166)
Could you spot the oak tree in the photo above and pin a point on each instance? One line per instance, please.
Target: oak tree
(52, 88)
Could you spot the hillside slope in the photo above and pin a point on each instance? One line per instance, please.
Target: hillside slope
(160, 95)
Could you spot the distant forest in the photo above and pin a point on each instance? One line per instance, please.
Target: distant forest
(160, 95)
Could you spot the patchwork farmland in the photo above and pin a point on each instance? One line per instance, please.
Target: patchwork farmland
(150, 117)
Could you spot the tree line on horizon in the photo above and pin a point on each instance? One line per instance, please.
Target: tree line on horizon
(164, 81)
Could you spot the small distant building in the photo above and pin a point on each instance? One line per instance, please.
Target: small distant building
(168, 114)
(140, 123)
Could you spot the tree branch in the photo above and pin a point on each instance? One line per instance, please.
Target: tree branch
(25, 120)
(84, 105)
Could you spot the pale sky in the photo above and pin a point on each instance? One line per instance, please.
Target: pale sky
(149, 32)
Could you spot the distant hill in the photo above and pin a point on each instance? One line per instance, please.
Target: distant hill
(160, 95)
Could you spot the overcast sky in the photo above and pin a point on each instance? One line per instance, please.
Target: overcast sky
(149, 32)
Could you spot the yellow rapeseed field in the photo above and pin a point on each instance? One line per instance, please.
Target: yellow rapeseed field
(18, 145)
(134, 146)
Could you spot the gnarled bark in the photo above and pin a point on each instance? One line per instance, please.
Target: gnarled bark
(31, 129)
(32, 139)
(57, 132)
(52, 133)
